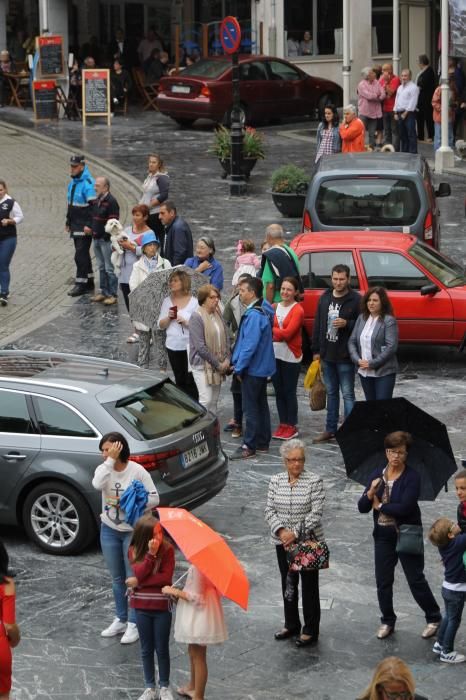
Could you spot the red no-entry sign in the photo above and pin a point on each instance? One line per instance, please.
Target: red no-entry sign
(230, 35)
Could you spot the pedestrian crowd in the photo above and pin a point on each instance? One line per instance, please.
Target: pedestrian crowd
(254, 338)
(393, 113)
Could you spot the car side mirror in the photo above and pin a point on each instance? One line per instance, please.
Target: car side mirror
(444, 190)
(428, 289)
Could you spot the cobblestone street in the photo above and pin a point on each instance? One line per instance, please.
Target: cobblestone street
(63, 603)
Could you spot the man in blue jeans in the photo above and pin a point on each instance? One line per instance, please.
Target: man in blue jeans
(336, 314)
(253, 361)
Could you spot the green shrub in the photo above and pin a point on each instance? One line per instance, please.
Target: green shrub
(290, 179)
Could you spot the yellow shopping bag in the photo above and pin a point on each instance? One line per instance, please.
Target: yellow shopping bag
(311, 374)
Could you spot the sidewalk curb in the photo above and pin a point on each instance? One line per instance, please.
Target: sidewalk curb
(461, 172)
(132, 193)
(132, 182)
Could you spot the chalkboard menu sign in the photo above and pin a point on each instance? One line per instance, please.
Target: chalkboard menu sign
(51, 62)
(96, 93)
(45, 99)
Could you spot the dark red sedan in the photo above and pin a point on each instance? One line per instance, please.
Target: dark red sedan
(269, 88)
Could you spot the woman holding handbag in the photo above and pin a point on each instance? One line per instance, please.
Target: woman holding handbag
(373, 344)
(295, 503)
(392, 495)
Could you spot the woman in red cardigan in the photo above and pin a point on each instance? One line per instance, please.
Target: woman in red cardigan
(287, 345)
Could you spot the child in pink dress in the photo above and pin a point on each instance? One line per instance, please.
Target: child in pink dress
(199, 621)
(247, 262)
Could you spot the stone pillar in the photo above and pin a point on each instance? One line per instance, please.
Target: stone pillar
(360, 43)
(55, 14)
(415, 23)
(3, 8)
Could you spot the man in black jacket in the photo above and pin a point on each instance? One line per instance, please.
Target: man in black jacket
(105, 207)
(337, 312)
(178, 244)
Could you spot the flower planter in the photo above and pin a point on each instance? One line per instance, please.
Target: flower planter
(289, 204)
(247, 164)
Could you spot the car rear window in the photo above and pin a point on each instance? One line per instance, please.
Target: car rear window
(157, 411)
(368, 201)
(444, 269)
(205, 69)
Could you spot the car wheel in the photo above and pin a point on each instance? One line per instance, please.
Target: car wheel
(57, 518)
(243, 116)
(185, 122)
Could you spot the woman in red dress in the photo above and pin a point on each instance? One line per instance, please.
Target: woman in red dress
(9, 630)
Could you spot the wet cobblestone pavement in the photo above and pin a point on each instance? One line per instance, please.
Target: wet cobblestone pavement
(63, 603)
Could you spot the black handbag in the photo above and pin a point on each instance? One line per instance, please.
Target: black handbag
(410, 539)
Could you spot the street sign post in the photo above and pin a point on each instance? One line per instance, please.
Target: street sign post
(230, 38)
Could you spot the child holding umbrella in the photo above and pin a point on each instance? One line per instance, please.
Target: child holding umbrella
(199, 621)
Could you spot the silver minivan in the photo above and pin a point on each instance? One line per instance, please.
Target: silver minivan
(374, 191)
(55, 408)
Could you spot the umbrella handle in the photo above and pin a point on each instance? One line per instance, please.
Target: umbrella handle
(180, 578)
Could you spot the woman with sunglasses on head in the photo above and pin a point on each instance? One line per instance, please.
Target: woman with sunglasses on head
(295, 503)
(392, 494)
(392, 680)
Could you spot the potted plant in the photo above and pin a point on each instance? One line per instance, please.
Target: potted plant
(289, 186)
(253, 149)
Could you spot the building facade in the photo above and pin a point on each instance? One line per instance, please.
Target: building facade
(276, 27)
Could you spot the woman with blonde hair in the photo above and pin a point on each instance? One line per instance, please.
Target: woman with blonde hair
(392, 680)
(209, 347)
(154, 192)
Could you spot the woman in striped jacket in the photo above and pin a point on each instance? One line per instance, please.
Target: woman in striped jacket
(295, 502)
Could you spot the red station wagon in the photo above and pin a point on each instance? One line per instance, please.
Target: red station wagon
(427, 289)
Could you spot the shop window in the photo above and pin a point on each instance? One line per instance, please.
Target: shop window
(313, 27)
(382, 27)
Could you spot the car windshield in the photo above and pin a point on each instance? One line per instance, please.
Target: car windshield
(368, 201)
(205, 68)
(445, 270)
(159, 410)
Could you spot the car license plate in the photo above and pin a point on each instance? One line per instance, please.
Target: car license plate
(181, 88)
(194, 455)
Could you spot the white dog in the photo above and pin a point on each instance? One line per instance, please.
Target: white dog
(115, 229)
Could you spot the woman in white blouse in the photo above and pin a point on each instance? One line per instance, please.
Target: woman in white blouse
(154, 192)
(10, 216)
(295, 503)
(174, 318)
(373, 345)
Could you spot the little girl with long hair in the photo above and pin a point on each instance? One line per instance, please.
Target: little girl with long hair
(152, 559)
(199, 621)
(9, 630)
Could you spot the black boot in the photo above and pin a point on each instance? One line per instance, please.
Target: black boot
(78, 290)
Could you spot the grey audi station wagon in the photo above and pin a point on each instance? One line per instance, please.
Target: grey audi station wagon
(54, 409)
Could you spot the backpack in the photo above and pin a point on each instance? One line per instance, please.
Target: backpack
(282, 264)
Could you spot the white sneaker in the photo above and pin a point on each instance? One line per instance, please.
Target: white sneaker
(131, 635)
(452, 657)
(166, 694)
(117, 627)
(437, 648)
(148, 694)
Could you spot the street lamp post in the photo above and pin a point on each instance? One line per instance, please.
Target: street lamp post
(346, 67)
(444, 156)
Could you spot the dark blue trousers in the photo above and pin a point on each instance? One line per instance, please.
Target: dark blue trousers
(154, 634)
(386, 559)
(257, 431)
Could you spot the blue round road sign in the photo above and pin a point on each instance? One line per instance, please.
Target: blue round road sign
(230, 34)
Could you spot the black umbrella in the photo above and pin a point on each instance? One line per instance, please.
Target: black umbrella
(362, 434)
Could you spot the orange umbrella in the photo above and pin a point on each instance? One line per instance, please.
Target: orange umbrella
(207, 550)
